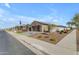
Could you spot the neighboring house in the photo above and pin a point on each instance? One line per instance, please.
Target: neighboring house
(20, 28)
(58, 27)
(25, 27)
(39, 26)
(73, 26)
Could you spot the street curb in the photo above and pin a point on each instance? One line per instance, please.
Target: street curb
(31, 47)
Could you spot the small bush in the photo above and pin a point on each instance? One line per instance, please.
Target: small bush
(39, 36)
(52, 39)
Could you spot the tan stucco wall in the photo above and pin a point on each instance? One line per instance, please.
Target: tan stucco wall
(45, 28)
(56, 28)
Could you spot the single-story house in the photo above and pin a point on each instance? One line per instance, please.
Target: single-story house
(25, 27)
(39, 26)
(20, 28)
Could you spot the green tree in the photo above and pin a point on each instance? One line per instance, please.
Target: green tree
(70, 24)
(76, 20)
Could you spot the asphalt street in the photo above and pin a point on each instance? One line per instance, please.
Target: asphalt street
(10, 46)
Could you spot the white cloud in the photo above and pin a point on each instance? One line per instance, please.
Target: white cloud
(55, 20)
(25, 19)
(7, 5)
(9, 19)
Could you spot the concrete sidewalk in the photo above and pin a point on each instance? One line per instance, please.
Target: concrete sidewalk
(67, 46)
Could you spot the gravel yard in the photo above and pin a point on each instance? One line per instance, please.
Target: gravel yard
(53, 37)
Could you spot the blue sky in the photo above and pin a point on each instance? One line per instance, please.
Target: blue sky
(60, 13)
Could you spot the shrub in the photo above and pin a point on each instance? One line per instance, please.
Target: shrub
(53, 40)
(39, 36)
